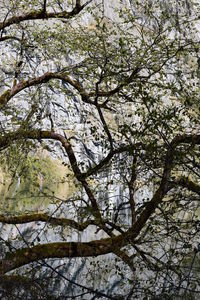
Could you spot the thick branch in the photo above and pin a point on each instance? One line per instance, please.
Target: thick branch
(7, 95)
(42, 217)
(9, 37)
(25, 256)
(41, 15)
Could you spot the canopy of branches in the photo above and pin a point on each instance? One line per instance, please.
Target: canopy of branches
(111, 91)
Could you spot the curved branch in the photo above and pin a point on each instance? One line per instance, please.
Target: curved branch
(42, 15)
(38, 135)
(10, 93)
(77, 172)
(86, 97)
(25, 256)
(43, 217)
(9, 37)
(179, 139)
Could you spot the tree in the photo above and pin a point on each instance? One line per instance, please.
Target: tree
(117, 100)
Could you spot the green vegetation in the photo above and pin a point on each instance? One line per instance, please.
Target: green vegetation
(40, 182)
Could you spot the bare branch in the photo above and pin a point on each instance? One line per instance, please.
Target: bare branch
(41, 15)
(131, 185)
(25, 256)
(9, 37)
(43, 217)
